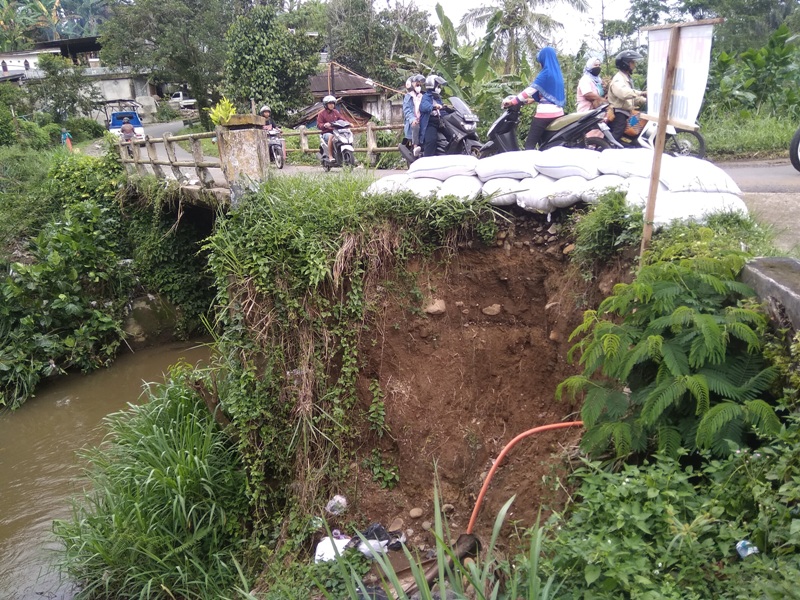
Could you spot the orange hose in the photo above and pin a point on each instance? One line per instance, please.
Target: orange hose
(502, 455)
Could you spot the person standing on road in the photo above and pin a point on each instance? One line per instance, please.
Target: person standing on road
(429, 108)
(548, 91)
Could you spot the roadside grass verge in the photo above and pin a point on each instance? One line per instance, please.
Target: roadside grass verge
(209, 147)
(747, 135)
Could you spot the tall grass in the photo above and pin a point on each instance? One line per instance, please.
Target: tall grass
(747, 135)
(163, 516)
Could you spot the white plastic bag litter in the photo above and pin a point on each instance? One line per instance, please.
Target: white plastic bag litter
(507, 165)
(443, 167)
(327, 548)
(562, 162)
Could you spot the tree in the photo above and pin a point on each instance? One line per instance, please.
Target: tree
(16, 26)
(182, 41)
(268, 62)
(64, 90)
(520, 30)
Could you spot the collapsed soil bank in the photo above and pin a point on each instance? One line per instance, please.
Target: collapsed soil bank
(459, 385)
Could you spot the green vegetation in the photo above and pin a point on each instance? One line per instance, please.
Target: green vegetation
(165, 514)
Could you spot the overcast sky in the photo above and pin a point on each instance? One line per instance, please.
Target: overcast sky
(577, 26)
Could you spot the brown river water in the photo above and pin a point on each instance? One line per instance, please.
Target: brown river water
(39, 470)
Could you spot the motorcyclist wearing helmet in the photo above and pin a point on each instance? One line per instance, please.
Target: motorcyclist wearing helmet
(326, 116)
(621, 93)
(429, 110)
(266, 112)
(548, 91)
(411, 114)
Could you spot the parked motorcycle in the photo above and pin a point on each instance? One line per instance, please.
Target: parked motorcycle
(794, 150)
(275, 146)
(570, 131)
(457, 132)
(679, 142)
(343, 154)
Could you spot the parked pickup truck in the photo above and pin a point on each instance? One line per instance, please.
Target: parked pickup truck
(182, 100)
(116, 122)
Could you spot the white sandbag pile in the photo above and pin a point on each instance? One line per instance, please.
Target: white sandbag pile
(688, 188)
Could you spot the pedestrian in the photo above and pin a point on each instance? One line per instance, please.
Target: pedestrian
(622, 96)
(429, 107)
(66, 139)
(590, 87)
(548, 91)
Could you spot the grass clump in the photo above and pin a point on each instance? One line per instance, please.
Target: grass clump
(164, 516)
(747, 134)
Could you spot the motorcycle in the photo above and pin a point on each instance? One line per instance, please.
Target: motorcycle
(457, 132)
(570, 131)
(343, 155)
(794, 150)
(680, 142)
(275, 146)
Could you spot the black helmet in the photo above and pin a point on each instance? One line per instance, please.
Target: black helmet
(623, 59)
(434, 81)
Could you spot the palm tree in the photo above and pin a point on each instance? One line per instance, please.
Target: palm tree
(15, 26)
(520, 29)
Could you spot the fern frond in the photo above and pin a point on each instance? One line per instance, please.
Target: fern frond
(611, 345)
(682, 317)
(573, 386)
(712, 335)
(675, 358)
(669, 441)
(589, 320)
(641, 352)
(594, 405)
(617, 405)
(596, 439)
(622, 438)
(715, 420)
(713, 282)
(698, 386)
(744, 333)
(761, 416)
(664, 396)
(756, 384)
(736, 314)
(719, 381)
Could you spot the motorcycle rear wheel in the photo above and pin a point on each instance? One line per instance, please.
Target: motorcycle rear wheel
(472, 148)
(794, 150)
(596, 143)
(348, 159)
(686, 143)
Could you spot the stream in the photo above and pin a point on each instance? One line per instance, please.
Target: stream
(39, 470)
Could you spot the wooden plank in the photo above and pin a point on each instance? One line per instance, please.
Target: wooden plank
(687, 24)
(168, 145)
(141, 169)
(153, 156)
(663, 113)
(203, 174)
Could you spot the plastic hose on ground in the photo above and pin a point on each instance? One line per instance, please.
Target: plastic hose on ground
(502, 455)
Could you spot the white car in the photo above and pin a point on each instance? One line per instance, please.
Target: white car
(182, 100)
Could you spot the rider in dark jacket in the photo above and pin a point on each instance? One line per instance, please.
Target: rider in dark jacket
(429, 109)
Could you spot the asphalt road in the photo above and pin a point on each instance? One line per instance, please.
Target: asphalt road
(767, 176)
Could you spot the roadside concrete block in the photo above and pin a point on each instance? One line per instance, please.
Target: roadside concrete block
(776, 281)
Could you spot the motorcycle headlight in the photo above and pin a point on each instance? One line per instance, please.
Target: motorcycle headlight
(468, 126)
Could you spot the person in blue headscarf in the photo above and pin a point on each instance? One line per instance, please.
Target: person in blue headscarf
(548, 91)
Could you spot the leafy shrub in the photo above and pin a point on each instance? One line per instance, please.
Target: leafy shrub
(32, 136)
(82, 128)
(165, 112)
(674, 358)
(8, 134)
(163, 517)
(606, 228)
(53, 131)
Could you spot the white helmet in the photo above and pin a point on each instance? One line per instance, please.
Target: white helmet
(328, 99)
(434, 81)
(263, 108)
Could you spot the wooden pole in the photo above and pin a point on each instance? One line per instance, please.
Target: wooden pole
(663, 114)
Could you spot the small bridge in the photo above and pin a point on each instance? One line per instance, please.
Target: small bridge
(243, 156)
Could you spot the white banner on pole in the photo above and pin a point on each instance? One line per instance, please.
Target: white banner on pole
(691, 74)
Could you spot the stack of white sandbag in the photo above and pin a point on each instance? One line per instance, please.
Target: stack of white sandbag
(688, 188)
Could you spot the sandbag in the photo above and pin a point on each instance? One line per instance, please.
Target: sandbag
(423, 187)
(464, 187)
(598, 186)
(567, 191)
(535, 194)
(695, 206)
(638, 189)
(443, 167)
(628, 162)
(561, 162)
(502, 191)
(513, 165)
(391, 184)
(690, 174)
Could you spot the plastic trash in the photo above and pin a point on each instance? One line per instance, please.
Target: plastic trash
(336, 505)
(328, 547)
(745, 548)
